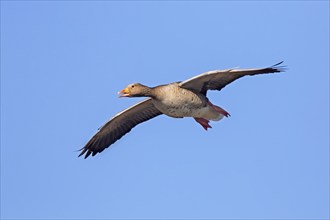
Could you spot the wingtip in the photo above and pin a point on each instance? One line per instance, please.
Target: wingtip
(83, 151)
(279, 68)
(87, 154)
(277, 64)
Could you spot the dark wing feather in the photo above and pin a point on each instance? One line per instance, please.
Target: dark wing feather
(119, 125)
(218, 79)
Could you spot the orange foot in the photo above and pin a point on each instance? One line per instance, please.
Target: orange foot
(204, 122)
(219, 109)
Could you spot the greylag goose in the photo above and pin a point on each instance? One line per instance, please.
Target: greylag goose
(178, 100)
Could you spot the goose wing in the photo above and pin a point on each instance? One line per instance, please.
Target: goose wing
(218, 79)
(119, 125)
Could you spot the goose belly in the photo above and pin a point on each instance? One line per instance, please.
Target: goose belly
(183, 109)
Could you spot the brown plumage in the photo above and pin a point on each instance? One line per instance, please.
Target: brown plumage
(178, 100)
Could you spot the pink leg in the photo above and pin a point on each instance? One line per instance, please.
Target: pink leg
(204, 122)
(219, 109)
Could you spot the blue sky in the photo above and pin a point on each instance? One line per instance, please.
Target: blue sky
(62, 64)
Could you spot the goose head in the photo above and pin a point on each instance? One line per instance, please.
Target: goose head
(135, 90)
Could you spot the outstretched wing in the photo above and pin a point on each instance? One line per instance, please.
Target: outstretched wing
(218, 79)
(119, 125)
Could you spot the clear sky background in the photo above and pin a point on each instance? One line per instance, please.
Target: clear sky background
(62, 64)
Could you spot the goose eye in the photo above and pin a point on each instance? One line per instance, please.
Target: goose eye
(132, 86)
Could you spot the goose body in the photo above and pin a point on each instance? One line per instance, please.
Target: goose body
(178, 100)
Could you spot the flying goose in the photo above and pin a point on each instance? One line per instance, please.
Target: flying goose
(178, 100)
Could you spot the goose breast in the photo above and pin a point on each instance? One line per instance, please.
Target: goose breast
(178, 102)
